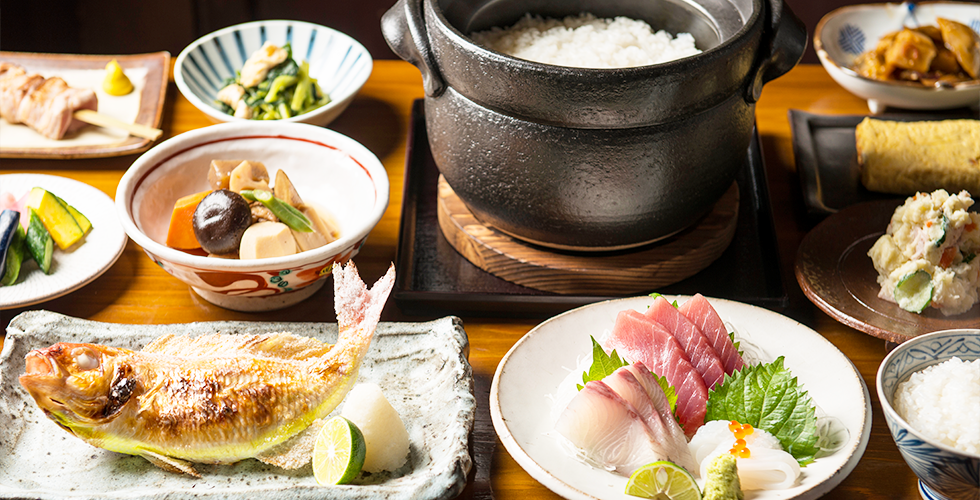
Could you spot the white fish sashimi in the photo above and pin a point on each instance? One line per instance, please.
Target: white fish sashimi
(768, 467)
(608, 429)
(670, 448)
(648, 380)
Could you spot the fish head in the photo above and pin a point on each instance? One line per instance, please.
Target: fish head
(78, 385)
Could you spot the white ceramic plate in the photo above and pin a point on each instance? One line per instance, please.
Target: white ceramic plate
(528, 376)
(80, 264)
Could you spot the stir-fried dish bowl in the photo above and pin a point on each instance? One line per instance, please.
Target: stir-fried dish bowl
(930, 436)
(321, 69)
(344, 183)
(846, 35)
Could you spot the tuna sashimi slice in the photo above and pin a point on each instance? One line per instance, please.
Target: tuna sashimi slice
(699, 311)
(636, 338)
(699, 351)
(608, 429)
(672, 447)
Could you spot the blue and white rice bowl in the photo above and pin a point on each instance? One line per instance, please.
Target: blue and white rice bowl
(943, 471)
(846, 33)
(339, 63)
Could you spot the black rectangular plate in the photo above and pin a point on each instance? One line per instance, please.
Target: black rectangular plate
(434, 279)
(826, 158)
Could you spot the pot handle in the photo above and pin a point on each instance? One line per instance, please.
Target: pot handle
(403, 27)
(783, 41)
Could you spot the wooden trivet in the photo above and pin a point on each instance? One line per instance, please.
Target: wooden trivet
(615, 273)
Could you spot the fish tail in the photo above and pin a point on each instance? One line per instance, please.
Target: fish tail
(358, 309)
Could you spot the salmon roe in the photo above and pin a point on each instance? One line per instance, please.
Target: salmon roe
(740, 431)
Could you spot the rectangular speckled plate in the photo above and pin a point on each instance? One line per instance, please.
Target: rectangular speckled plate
(421, 367)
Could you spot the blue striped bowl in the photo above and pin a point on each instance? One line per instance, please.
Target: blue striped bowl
(944, 472)
(844, 34)
(340, 64)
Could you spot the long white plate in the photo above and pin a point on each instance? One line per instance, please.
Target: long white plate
(528, 377)
(79, 265)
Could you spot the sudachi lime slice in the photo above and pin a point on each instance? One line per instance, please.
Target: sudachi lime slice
(663, 480)
(338, 453)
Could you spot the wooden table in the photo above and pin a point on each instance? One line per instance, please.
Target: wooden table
(135, 290)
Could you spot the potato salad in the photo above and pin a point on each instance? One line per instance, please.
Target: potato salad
(928, 255)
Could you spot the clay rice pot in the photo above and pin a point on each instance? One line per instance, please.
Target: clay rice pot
(593, 159)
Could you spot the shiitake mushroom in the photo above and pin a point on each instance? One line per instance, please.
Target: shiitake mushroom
(220, 220)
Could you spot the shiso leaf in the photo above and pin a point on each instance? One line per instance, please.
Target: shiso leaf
(768, 397)
(603, 364)
(731, 335)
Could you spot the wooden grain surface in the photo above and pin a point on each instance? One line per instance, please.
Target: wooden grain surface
(623, 272)
(135, 290)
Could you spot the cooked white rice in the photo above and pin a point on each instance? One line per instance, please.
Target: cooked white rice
(942, 402)
(585, 41)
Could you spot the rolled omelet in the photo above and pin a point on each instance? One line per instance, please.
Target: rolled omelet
(907, 157)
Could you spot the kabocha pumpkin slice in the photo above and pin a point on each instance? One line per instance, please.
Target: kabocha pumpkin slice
(55, 217)
(83, 223)
(180, 235)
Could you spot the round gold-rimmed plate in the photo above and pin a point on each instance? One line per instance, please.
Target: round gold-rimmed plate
(836, 274)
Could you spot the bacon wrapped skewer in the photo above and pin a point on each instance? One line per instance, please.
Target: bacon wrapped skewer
(47, 105)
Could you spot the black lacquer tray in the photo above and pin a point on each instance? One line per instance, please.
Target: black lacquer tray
(826, 158)
(435, 280)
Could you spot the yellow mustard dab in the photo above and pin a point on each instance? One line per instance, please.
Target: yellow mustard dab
(116, 82)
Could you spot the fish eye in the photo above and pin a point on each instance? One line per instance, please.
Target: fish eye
(85, 359)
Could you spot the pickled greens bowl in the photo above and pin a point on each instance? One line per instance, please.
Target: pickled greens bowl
(332, 172)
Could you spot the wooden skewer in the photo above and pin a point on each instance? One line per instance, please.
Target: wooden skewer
(95, 118)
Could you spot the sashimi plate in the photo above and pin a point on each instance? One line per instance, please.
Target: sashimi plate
(80, 264)
(522, 396)
(421, 367)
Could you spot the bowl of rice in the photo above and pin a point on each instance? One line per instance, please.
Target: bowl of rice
(929, 388)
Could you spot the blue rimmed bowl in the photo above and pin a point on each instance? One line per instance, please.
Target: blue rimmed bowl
(339, 63)
(944, 472)
(844, 34)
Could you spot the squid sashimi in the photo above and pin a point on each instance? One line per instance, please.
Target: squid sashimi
(766, 467)
(699, 311)
(699, 351)
(636, 338)
(629, 388)
(608, 429)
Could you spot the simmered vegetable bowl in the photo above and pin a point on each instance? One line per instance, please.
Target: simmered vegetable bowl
(271, 86)
(244, 216)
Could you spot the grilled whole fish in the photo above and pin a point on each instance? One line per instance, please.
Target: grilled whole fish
(213, 399)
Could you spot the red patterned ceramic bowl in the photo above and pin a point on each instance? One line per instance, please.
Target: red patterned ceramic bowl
(331, 171)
